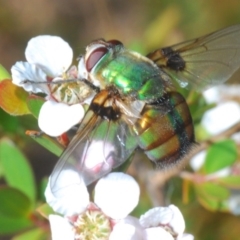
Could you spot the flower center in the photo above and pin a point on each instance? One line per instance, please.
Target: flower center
(70, 93)
(92, 225)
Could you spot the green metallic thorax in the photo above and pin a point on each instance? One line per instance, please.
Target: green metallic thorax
(132, 74)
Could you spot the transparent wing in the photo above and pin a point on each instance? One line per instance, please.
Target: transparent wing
(202, 62)
(98, 147)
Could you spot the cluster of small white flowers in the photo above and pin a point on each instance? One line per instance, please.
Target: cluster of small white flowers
(48, 61)
(116, 195)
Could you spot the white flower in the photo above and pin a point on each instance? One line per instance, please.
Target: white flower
(221, 117)
(58, 222)
(116, 195)
(222, 92)
(128, 228)
(186, 236)
(234, 202)
(71, 197)
(158, 233)
(49, 58)
(166, 222)
(198, 161)
(56, 118)
(115, 190)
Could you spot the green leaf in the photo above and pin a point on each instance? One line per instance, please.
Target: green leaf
(213, 204)
(229, 181)
(4, 74)
(47, 142)
(14, 210)
(34, 104)
(9, 123)
(14, 203)
(220, 155)
(35, 234)
(212, 196)
(42, 188)
(10, 225)
(13, 98)
(16, 169)
(212, 191)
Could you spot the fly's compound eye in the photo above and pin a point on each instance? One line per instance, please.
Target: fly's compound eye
(94, 57)
(115, 42)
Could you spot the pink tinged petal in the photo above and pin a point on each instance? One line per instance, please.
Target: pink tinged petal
(50, 53)
(60, 228)
(168, 217)
(117, 194)
(23, 71)
(95, 155)
(71, 197)
(157, 233)
(57, 118)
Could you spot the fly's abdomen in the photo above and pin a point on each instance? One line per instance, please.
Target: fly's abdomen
(165, 130)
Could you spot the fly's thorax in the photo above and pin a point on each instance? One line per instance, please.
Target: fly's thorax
(132, 74)
(109, 63)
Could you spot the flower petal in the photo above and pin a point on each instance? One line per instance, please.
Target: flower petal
(186, 236)
(157, 233)
(60, 228)
(169, 217)
(109, 193)
(155, 217)
(71, 196)
(50, 53)
(22, 71)
(198, 160)
(234, 203)
(57, 118)
(127, 228)
(221, 117)
(96, 156)
(125, 231)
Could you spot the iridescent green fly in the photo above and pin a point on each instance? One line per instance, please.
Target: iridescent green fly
(136, 104)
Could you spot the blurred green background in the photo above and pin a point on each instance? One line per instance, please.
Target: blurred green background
(142, 26)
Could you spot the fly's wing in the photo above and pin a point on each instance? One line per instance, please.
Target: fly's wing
(98, 147)
(202, 62)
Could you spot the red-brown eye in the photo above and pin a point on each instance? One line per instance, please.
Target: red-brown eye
(94, 57)
(115, 42)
